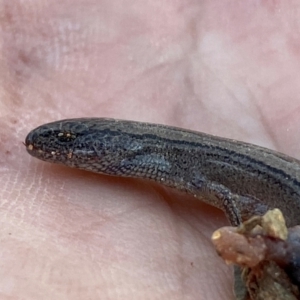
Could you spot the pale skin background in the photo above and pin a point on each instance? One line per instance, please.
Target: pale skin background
(229, 68)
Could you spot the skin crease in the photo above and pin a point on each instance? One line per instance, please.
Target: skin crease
(219, 68)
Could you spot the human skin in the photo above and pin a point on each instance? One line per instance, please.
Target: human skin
(227, 69)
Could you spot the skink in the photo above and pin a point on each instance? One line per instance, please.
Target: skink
(240, 178)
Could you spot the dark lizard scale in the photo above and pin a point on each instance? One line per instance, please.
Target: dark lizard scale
(224, 155)
(187, 160)
(217, 150)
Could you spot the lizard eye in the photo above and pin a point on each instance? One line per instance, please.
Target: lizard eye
(66, 136)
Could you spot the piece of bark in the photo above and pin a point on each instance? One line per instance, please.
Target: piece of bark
(268, 254)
